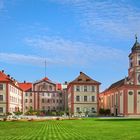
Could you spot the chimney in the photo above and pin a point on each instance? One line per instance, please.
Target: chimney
(2, 71)
(11, 78)
(24, 81)
(8, 75)
(80, 72)
(66, 82)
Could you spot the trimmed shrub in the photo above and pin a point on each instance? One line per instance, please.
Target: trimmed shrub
(101, 111)
(53, 113)
(107, 112)
(8, 113)
(4, 119)
(18, 113)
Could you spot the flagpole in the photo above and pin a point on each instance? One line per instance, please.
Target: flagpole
(45, 68)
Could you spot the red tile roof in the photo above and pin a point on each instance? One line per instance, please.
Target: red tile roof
(7, 78)
(59, 86)
(25, 86)
(4, 77)
(83, 78)
(46, 79)
(115, 85)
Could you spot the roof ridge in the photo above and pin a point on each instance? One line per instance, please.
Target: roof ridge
(116, 84)
(77, 79)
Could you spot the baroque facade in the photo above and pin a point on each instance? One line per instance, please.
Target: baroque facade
(80, 96)
(123, 97)
(11, 97)
(83, 96)
(43, 95)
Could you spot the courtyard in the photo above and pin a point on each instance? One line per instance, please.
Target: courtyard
(84, 129)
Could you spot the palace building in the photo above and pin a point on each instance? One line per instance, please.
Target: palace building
(11, 97)
(43, 95)
(123, 97)
(28, 96)
(83, 96)
(79, 97)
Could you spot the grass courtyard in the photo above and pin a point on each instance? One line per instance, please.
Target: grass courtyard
(87, 129)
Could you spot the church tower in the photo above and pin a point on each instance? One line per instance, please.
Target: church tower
(134, 64)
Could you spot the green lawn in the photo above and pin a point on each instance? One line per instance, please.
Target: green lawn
(88, 129)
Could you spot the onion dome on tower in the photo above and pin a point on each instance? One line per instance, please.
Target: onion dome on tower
(136, 46)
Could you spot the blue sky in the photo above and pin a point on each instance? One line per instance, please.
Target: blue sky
(93, 36)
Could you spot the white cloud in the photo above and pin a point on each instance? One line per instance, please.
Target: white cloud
(26, 59)
(118, 18)
(74, 52)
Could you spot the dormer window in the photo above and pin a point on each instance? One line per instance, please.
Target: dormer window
(87, 79)
(79, 79)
